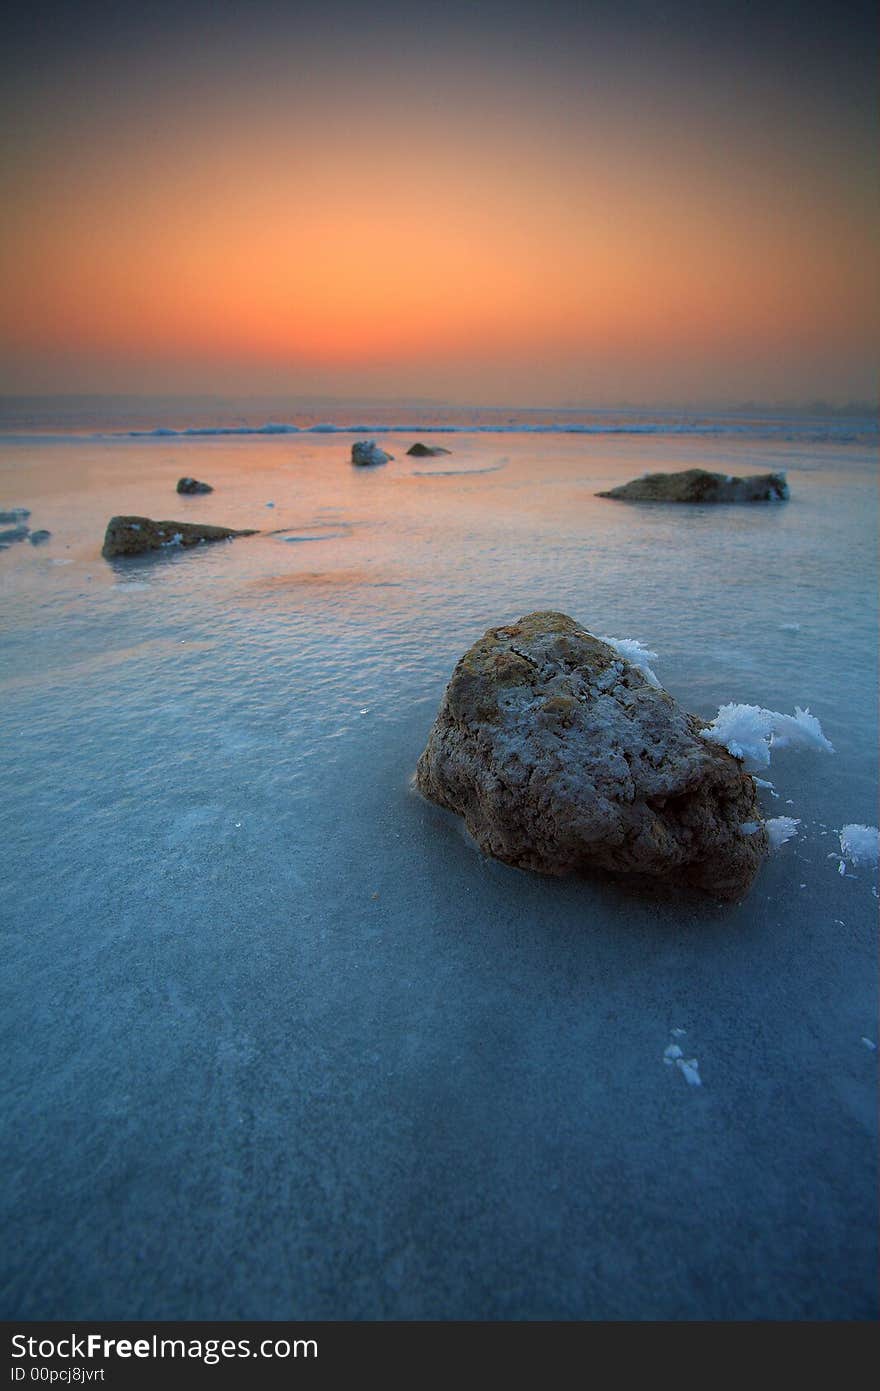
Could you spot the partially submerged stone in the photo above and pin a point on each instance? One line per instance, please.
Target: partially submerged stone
(15, 514)
(37, 538)
(134, 535)
(561, 757)
(696, 485)
(13, 533)
(367, 452)
(427, 451)
(192, 485)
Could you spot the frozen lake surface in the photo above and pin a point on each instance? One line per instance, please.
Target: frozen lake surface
(279, 1043)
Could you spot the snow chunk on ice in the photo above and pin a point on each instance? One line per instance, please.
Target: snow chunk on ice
(780, 829)
(637, 655)
(749, 732)
(860, 844)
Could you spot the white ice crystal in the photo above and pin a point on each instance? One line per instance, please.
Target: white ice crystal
(749, 732)
(637, 655)
(690, 1071)
(859, 844)
(780, 829)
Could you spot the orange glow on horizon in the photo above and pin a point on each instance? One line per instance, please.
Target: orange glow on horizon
(392, 236)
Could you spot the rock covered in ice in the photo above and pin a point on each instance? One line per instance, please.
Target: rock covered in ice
(134, 535)
(562, 756)
(366, 452)
(427, 451)
(696, 485)
(636, 653)
(192, 485)
(859, 844)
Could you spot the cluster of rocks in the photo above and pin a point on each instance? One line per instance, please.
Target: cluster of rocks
(697, 485)
(367, 452)
(19, 530)
(561, 757)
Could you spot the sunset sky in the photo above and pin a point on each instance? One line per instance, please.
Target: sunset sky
(490, 202)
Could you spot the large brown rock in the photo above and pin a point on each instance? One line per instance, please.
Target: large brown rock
(134, 535)
(696, 485)
(561, 757)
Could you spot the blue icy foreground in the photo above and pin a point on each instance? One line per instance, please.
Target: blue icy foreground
(280, 1042)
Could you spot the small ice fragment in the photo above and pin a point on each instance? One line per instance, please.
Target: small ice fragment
(838, 922)
(365, 711)
(762, 782)
(869, 1043)
(679, 1033)
(789, 627)
(860, 844)
(841, 868)
(749, 828)
(672, 1053)
(802, 886)
(780, 829)
(690, 1071)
